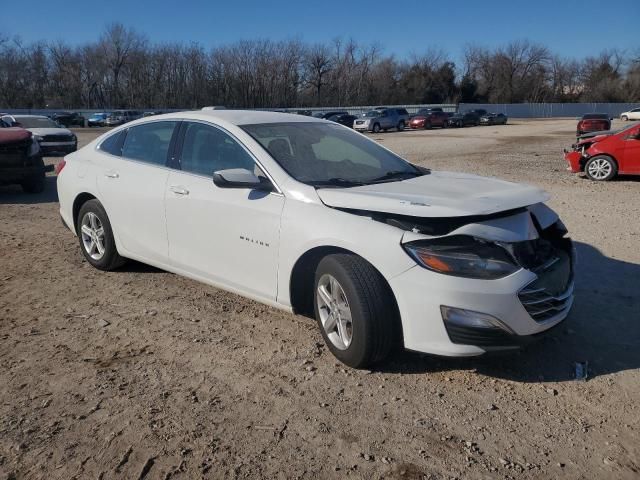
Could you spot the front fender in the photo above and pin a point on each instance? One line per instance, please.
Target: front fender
(306, 226)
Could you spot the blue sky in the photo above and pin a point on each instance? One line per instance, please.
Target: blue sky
(570, 28)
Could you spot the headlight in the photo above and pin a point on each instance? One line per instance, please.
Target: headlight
(38, 138)
(463, 256)
(34, 148)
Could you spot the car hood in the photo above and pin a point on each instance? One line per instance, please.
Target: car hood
(439, 194)
(594, 137)
(13, 135)
(49, 131)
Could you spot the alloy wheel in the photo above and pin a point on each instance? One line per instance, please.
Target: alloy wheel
(600, 169)
(92, 233)
(335, 313)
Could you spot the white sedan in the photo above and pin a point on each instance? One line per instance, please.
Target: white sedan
(630, 115)
(309, 216)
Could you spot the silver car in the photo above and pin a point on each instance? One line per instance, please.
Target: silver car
(120, 117)
(381, 119)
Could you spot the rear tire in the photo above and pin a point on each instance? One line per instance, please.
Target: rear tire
(96, 237)
(601, 168)
(355, 310)
(400, 126)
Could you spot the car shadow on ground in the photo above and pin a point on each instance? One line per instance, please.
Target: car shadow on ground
(602, 329)
(13, 194)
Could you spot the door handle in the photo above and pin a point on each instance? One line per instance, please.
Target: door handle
(112, 174)
(178, 190)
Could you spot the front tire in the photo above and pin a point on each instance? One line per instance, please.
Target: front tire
(624, 118)
(96, 237)
(601, 168)
(376, 128)
(354, 309)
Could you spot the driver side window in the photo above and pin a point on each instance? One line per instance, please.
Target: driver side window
(207, 149)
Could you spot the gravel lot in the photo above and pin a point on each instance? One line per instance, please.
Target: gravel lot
(143, 374)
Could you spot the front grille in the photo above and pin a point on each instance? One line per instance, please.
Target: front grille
(552, 292)
(15, 147)
(359, 122)
(57, 138)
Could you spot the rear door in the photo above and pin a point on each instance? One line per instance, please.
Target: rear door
(226, 235)
(132, 179)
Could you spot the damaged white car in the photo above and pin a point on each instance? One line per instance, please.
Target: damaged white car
(309, 216)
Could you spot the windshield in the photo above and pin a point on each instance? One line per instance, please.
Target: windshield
(36, 122)
(372, 114)
(595, 116)
(329, 154)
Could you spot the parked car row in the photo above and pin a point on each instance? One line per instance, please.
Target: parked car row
(383, 119)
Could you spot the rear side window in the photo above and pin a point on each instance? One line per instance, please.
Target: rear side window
(149, 142)
(113, 144)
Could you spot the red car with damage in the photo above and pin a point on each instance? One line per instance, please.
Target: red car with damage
(602, 157)
(593, 122)
(428, 118)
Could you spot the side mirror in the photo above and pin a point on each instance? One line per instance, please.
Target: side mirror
(241, 178)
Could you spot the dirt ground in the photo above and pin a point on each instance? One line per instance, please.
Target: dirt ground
(144, 374)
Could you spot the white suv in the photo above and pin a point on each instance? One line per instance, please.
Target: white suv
(630, 115)
(308, 216)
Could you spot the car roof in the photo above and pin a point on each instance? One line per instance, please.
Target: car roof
(236, 117)
(29, 116)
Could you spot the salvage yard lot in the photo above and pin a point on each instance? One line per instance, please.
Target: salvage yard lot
(140, 373)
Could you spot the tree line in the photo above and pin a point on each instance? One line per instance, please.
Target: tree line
(123, 69)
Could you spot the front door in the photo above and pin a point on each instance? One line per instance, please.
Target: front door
(227, 235)
(631, 155)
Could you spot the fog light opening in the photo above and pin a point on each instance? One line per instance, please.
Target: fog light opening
(467, 318)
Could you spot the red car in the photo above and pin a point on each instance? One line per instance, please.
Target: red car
(593, 122)
(602, 157)
(427, 118)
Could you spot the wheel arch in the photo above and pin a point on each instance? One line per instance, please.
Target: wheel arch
(80, 200)
(302, 278)
(601, 154)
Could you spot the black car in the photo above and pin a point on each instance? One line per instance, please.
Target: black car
(343, 119)
(69, 119)
(464, 119)
(493, 119)
(21, 159)
(479, 111)
(326, 115)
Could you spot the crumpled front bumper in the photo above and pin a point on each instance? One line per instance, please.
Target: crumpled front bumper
(573, 158)
(420, 294)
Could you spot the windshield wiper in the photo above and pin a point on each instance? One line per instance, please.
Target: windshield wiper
(395, 174)
(336, 182)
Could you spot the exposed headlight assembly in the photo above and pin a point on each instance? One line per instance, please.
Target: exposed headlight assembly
(463, 256)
